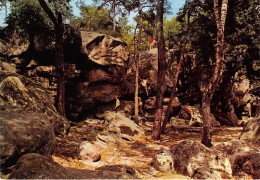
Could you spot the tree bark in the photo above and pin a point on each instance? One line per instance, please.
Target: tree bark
(137, 57)
(169, 109)
(207, 120)
(161, 72)
(114, 14)
(216, 78)
(59, 55)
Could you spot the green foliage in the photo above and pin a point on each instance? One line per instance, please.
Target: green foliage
(94, 19)
(241, 35)
(149, 23)
(28, 16)
(125, 30)
(99, 20)
(172, 30)
(243, 38)
(120, 6)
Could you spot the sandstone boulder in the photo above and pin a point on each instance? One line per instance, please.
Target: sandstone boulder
(251, 131)
(244, 157)
(121, 124)
(241, 97)
(148, 68)
(163, 161)
(103, 65)
(89, 152)
(197, 161)
(12, 46)
(24, 132)
(234, 158)
(19, 92)
(35, 166)
(102, 93)
(104, 50)
(8, 67)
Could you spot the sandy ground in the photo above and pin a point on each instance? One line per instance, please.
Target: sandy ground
(137, 153)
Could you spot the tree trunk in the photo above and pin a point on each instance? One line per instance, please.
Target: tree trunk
(114, 14)
(137, 57)
(169, 109)
(215, 81)
(207, 120)
(59, 57)
(161, 72)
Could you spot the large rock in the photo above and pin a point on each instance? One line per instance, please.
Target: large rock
(244, 157)
(197, 161)
(19, 92)
(241, 97)
(11, 43)
(89, 152)
(101, 93)
(35, 166)
(148, 68)
(103, 66)
(163, 161)
(251, 131)
(121, 124)
(8, 67)
(104, 50)
(24, 132)
(224, 160)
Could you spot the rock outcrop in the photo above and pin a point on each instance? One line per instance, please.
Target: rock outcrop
(243, 100)
(35, 166)
(251, 131)
(244, 157)
(104, 49)
(102, 68)
(197, 161)
(119, 129)
(234, 158)
(19, 92)
(24, 132)
(120, 124)
(148, 68)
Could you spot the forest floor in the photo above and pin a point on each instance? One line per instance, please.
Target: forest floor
(137, 153)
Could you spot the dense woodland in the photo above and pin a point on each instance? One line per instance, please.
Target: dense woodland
(200, 78)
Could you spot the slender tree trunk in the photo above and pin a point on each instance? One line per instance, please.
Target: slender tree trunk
(207, 120)
(137, 57)
(161, 72)
(215, 81)
(169, 109)
(59, 57)
(114, 14)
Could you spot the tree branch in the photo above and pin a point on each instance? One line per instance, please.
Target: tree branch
(48, 11)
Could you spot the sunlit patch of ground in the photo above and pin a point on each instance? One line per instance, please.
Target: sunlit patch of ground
(137, 153)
